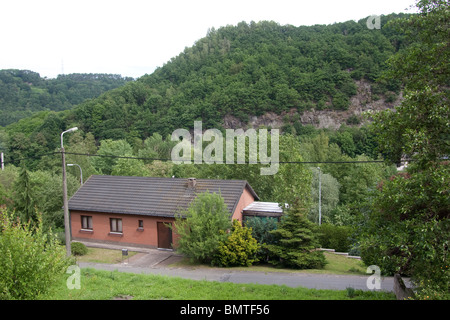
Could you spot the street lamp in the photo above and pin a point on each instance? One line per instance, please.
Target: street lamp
(320, 197)
(66, 206)
(81, 171)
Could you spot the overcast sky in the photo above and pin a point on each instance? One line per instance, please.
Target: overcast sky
(133, 37)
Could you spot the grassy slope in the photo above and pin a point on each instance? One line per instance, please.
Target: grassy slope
(106, 285)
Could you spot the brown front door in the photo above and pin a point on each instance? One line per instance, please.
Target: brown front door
(164, 235)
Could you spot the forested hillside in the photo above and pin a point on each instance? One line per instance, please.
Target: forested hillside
(248, 70)
(227, 79)
(24, 92)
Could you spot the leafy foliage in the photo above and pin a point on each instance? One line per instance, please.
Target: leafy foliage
(78, 248)
(31, 260)
(335, 237)
(296, 242)
(245, 70)
(24, 92)
(24, 202)
(408, 230)
(420, 128)
(239, 249)
(329, 196)
(261, 227)
(203, 227)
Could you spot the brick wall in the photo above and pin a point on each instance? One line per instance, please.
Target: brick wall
(245, 200)
(131, 233)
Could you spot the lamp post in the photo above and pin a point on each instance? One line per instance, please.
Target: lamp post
(81, 171)
(320, 197)
(66, 206)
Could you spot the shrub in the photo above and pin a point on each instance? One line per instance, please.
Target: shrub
(78, 249)
(335, 237)
(295, 242)
(353, 120)
(239, 249)
(31, 260)
(261, 228)
(202, 228)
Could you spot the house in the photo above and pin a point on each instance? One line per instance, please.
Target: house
(136, 211)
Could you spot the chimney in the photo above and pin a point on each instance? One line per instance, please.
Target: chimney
(191, 183)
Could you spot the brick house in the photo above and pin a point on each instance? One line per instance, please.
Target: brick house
(135, 211)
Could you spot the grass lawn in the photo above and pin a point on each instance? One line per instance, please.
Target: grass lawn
(107, 285)
(99, 255)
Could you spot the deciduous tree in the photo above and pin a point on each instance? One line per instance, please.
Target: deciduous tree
(203, 227)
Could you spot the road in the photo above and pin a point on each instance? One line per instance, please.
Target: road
(153, 261)
(307, 280)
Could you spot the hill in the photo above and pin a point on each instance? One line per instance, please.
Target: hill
(24, 92)
(237, 75)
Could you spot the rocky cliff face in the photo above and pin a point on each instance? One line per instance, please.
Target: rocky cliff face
(362, 102)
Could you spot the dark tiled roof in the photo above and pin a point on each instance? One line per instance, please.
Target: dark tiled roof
(150, 196)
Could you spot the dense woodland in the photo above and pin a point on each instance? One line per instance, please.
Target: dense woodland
(251, 69)
(24, 92)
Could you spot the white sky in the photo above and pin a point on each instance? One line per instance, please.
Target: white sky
(133, 37)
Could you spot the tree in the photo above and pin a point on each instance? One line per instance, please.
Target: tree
(8, 179)
(82, 144)
(329, 196)
(420, 126)
(408, 228)
(261, 227)
(296, 241)
(107, 153)
(292, 183)
(46, 195)
(23, 200)
(202, 227)
(130, 167)
(157, 148)
(31, 260)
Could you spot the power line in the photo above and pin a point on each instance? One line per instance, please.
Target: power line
(281, 162)
(31, 157)
(167, 160)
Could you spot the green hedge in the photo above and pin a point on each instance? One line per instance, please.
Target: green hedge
(78, 249)
(335, 237)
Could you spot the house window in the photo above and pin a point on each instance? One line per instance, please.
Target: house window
(140, 225)
(116, 225)
(86, 222)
